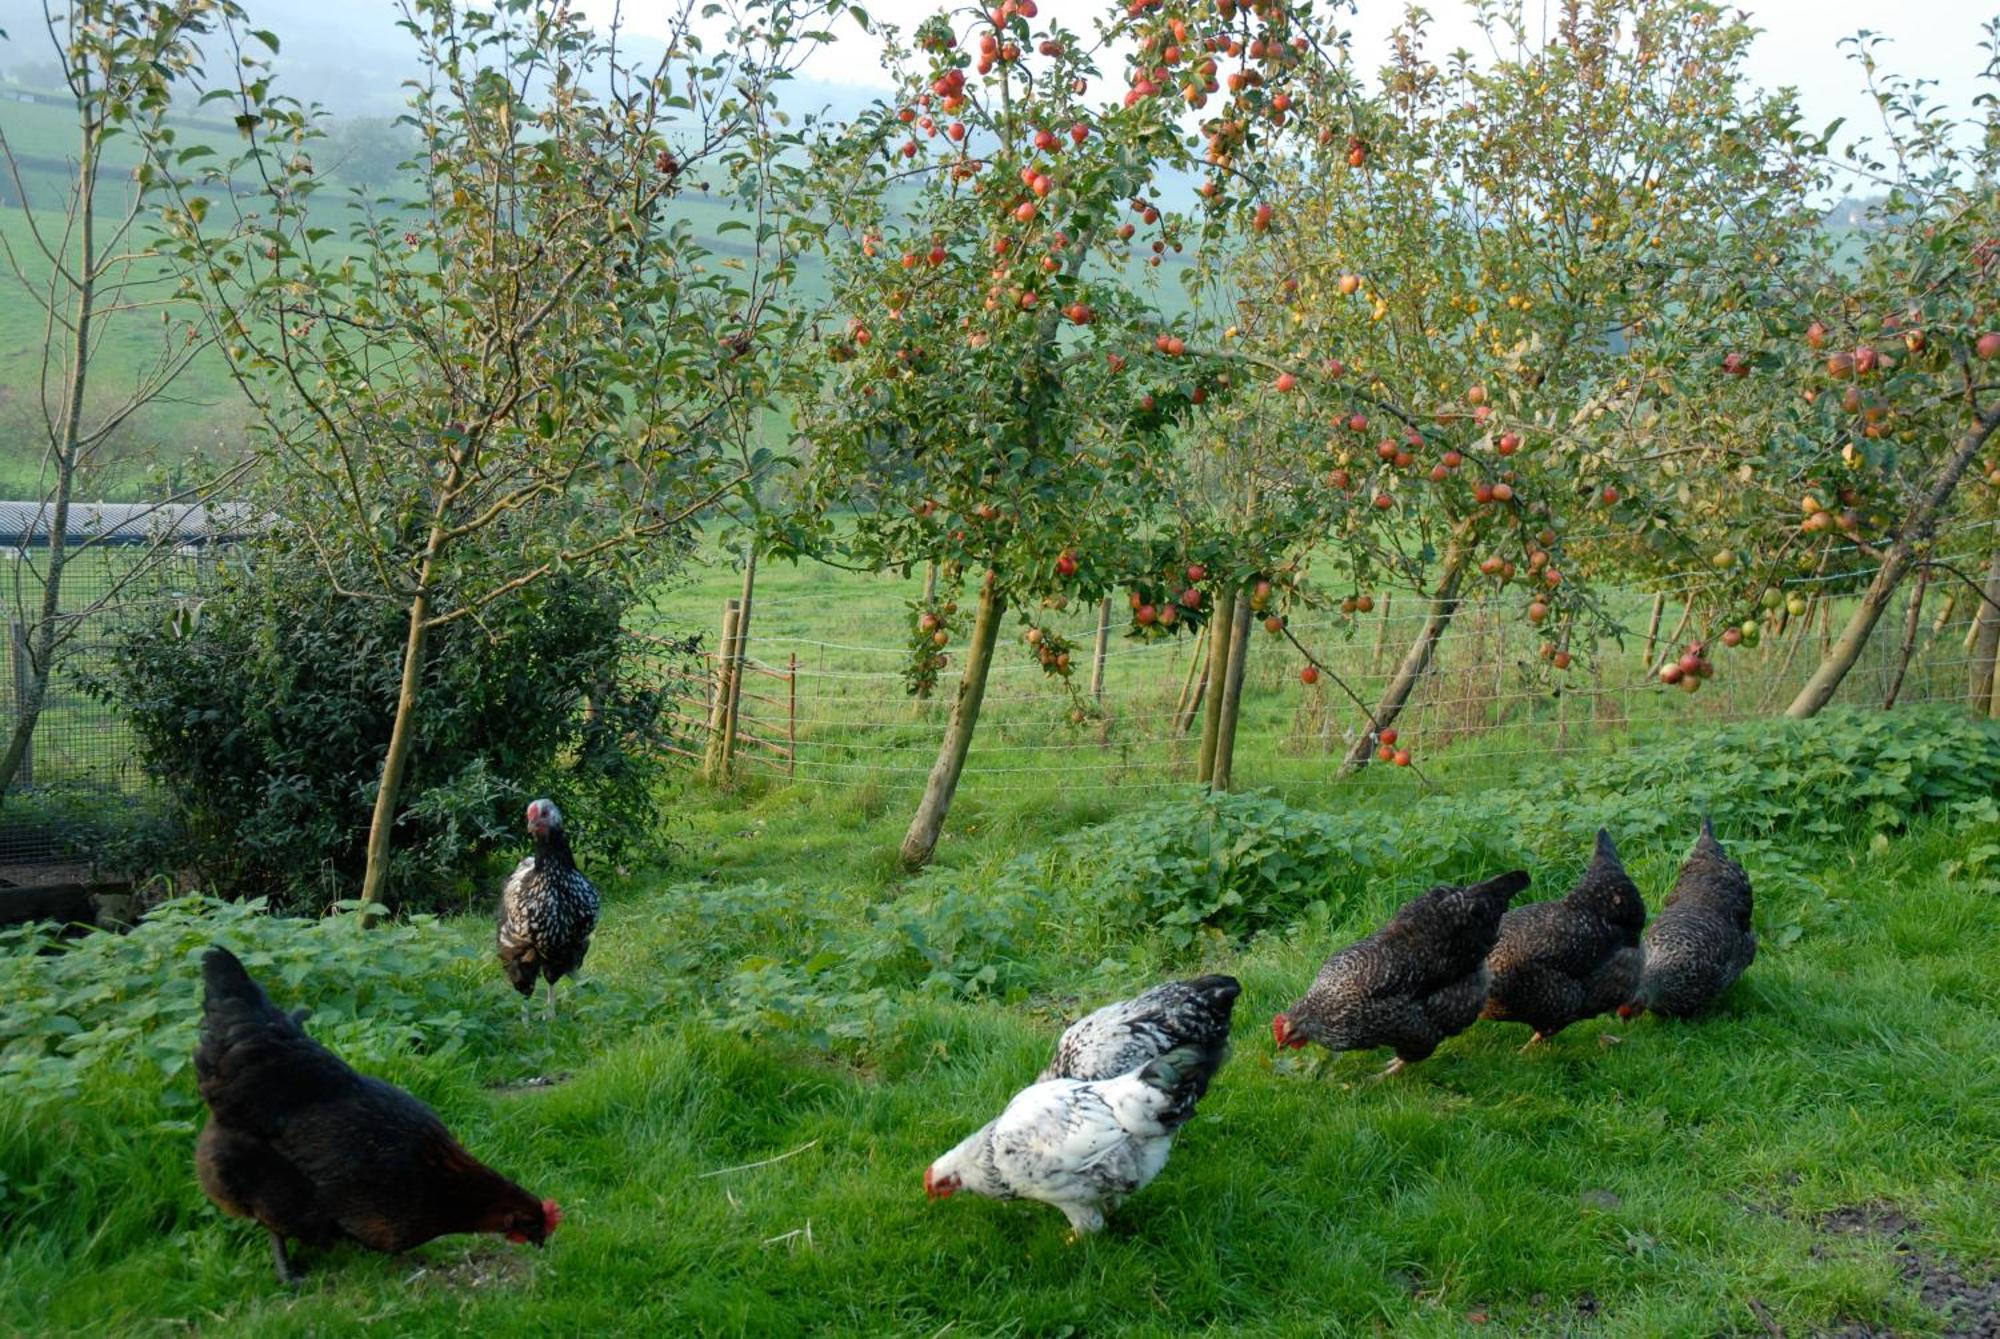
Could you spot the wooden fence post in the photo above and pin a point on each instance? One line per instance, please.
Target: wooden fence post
(1103, 648)
(713, 762)
(792, 716)
(19, 637)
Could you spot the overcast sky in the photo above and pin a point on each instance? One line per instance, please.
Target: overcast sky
(1937, 39)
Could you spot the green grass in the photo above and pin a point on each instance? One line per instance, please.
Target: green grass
(1661, 1184)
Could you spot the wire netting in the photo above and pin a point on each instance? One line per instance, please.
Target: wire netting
(80, 774)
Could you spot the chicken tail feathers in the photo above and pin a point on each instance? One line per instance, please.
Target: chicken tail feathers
(1183, 1074)
(231, 996)
(1504, 886)
(1219, 991)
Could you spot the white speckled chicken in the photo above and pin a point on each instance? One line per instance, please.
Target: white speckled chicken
(1416, 981)
(1557, 963)
(1081, 1146)
(1120, 1037)
(547, 910)
(1701, 941)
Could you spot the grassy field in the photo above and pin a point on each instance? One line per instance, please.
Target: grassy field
(1811, 1154)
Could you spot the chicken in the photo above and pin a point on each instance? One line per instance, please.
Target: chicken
(1701, 941)
(1558, 962)
(299, 1142)
(547, 910)
(1079, 1145)
(1120, 1037)
(1414, 982)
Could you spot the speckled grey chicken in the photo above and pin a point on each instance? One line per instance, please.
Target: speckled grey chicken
(1557, 963)
(1081, 1147)
(1702, 939)
(547, 910)
(1120, 1037)
(1416, 981)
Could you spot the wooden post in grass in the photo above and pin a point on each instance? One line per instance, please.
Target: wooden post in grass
(1231, 694)
(1381, 635)
(1193, 686)
(25, 774)
(1102, 650)
(1985, 641)
(792, 715)
(1687, 617)
(1222, 621)
(719, 693)
(930, 597)
(738, 660)
(1653, 629)
(1910, 624)
(1944, 613)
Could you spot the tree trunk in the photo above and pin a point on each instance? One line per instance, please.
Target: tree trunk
(1102, 649)
(1833, 668)
(1230, 693)
(68, 444)
(1911, 622)
(1985, 641)
(921, 840)
(401, 736)
(1444, 602)
(1221, 625)
(375, 877)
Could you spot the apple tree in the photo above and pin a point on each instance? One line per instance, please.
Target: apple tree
(1477, 288)
(1002, 374)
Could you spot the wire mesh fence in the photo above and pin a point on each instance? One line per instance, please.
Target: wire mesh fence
(80, 770)
(1490, 694)
(823, 701)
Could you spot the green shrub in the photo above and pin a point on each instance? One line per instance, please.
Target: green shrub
(265, 715)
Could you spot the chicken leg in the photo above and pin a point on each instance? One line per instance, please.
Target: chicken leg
(1396, 1066)
(288, 1274)
(1532, 1042)
(549, 1014)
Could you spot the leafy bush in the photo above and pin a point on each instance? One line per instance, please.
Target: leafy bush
(1231, 863)
(127, 1005)
(266, 713)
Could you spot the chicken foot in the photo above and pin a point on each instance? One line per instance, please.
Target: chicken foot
(289, 1275)
(1396, 1066)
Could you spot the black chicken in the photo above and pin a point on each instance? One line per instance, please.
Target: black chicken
(1701, 941)
(1120, 1037)
(299, 1142)
(1559, 962)
(547, 910)
(1414, 982)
